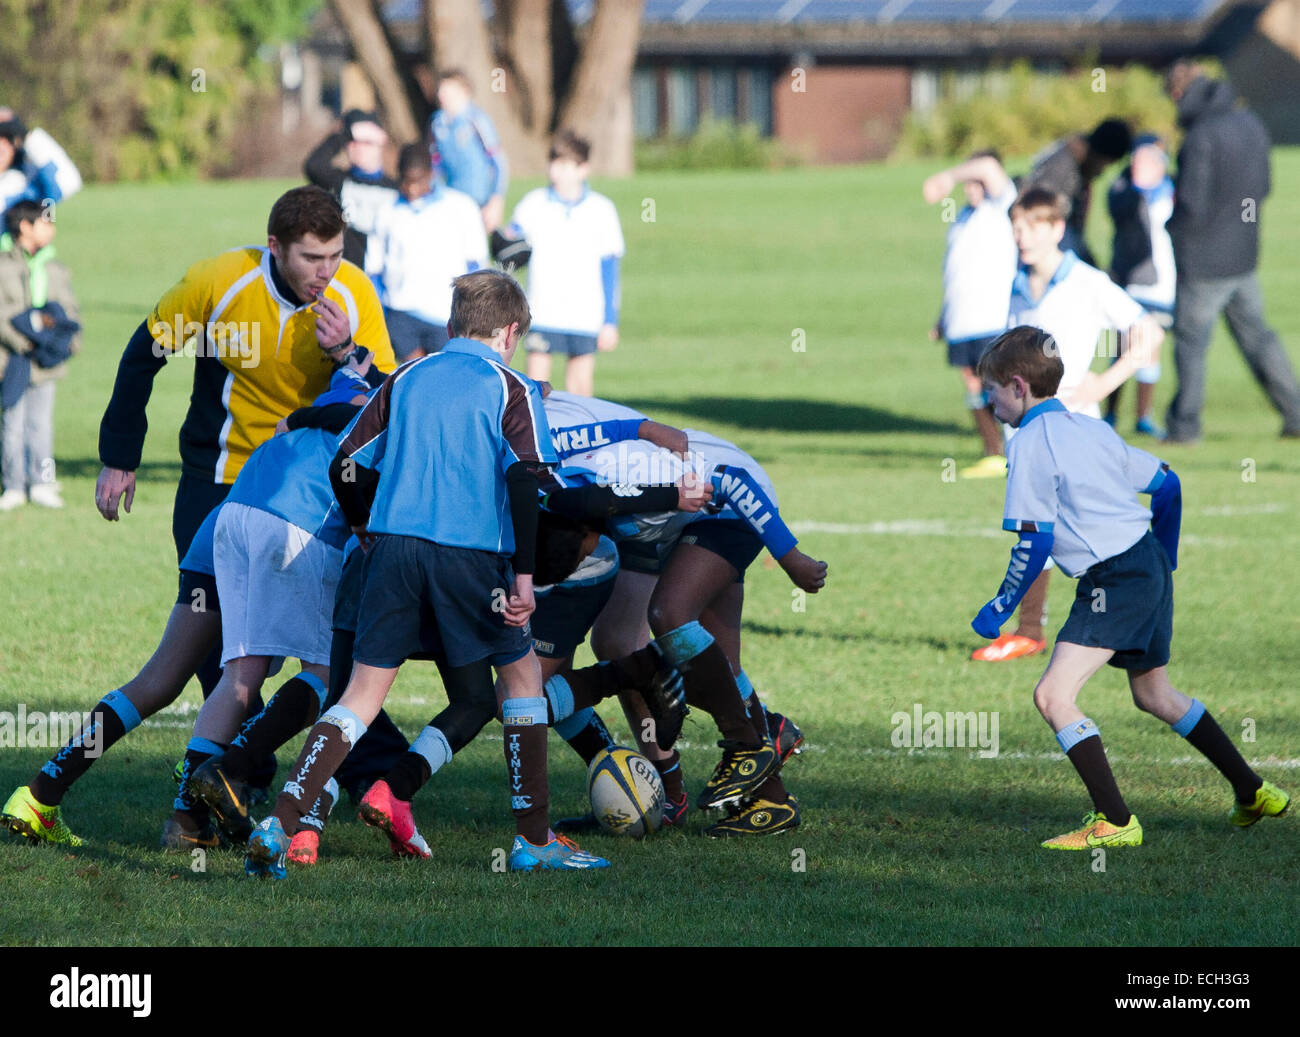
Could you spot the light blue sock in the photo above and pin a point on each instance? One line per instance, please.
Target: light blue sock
(1068, 737)
(432, 744)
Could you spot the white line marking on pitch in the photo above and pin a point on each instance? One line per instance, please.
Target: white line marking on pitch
(942, 528)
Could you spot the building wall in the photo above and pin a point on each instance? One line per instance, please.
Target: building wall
(841, 113)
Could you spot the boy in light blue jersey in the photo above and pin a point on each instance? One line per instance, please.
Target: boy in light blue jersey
(466, 150)
(450, 538)
(1071, 483)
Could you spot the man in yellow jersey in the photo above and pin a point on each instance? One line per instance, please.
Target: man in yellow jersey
(265, 328)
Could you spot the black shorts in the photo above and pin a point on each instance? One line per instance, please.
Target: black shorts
(198, 591)
(967, 353)
(411, 334)
(565, 614)
(347, 599)
(644, 556)
(1126, 603)
(568, 343)
(734, 540)
(419, 597)
(195, 497)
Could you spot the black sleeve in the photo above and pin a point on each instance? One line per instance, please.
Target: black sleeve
(332, 418)
(593, 503)
(354, 487)
(319, 167)
(123, 427)
(521, 485)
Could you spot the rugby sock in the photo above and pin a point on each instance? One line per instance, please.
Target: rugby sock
(525, 744)
(328, 744)
(773, 790)
(1081, 742)
(113, 717)
(586, 733)
(298, 702)
(590, 685)
(187, 810)
(710, 684)
(670, 771)
(316, 817)
(417, 765)
(1033, 609)
(1204, 733)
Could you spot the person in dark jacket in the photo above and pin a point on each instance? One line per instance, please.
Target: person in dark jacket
(1070, 166)
(364, 188)
(1223, 177)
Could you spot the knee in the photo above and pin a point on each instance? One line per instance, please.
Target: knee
(665, 615)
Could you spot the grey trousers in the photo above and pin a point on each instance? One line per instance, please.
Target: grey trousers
(1196, 306)
(27, 437)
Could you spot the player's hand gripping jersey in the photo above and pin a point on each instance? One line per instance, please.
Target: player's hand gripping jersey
(595, 442)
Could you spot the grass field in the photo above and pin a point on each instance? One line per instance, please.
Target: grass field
(857, 430)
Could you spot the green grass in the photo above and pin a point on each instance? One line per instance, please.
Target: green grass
(916, 848)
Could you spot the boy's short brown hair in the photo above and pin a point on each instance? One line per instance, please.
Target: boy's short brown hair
(484, 302)
(459, 75)
(305, 210)
(568, 144)
(1026, 351)
(1040, 204)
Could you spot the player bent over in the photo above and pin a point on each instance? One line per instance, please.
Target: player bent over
(460, 438)
(1070, 494)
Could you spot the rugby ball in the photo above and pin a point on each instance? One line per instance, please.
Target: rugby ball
(627, 794)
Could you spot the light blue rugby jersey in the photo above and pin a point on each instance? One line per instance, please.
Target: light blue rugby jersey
(287, 476)
(442, 431)
(1074, 477)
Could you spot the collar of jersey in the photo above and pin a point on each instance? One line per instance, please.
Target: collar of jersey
(1039, 409)
(425, 199)
(552, 196)
(269, 276)
(474, 347)
(1021, 284)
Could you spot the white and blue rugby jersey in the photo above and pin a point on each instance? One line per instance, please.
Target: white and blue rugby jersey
(566, 281)
(416, 248)
(442, 431)
(978, 268)
(580, 424)
(1078, 304)
(1074, 477)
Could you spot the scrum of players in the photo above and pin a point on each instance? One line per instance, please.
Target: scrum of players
(639, 535)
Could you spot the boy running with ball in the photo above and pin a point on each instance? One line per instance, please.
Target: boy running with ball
(1070, 495)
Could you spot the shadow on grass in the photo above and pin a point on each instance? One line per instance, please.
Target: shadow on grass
(786, 414)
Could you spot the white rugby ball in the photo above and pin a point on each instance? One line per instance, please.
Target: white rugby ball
(626, 792)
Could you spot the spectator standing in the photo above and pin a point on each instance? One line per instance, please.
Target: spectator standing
(1070, 166)
(1223, 178)
(1141, 200)
(466, 150)
(363, 189)
(430, 235)
(39, 331)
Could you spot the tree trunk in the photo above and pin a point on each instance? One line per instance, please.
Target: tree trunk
(362, 24)
(527, 40)
(598, 101)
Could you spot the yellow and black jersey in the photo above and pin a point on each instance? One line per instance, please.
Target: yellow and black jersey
(255, 354)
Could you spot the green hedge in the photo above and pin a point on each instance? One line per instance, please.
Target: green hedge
(1019, 110)
(715, 145)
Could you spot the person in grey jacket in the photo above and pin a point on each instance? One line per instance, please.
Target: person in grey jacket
(1223, 178)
